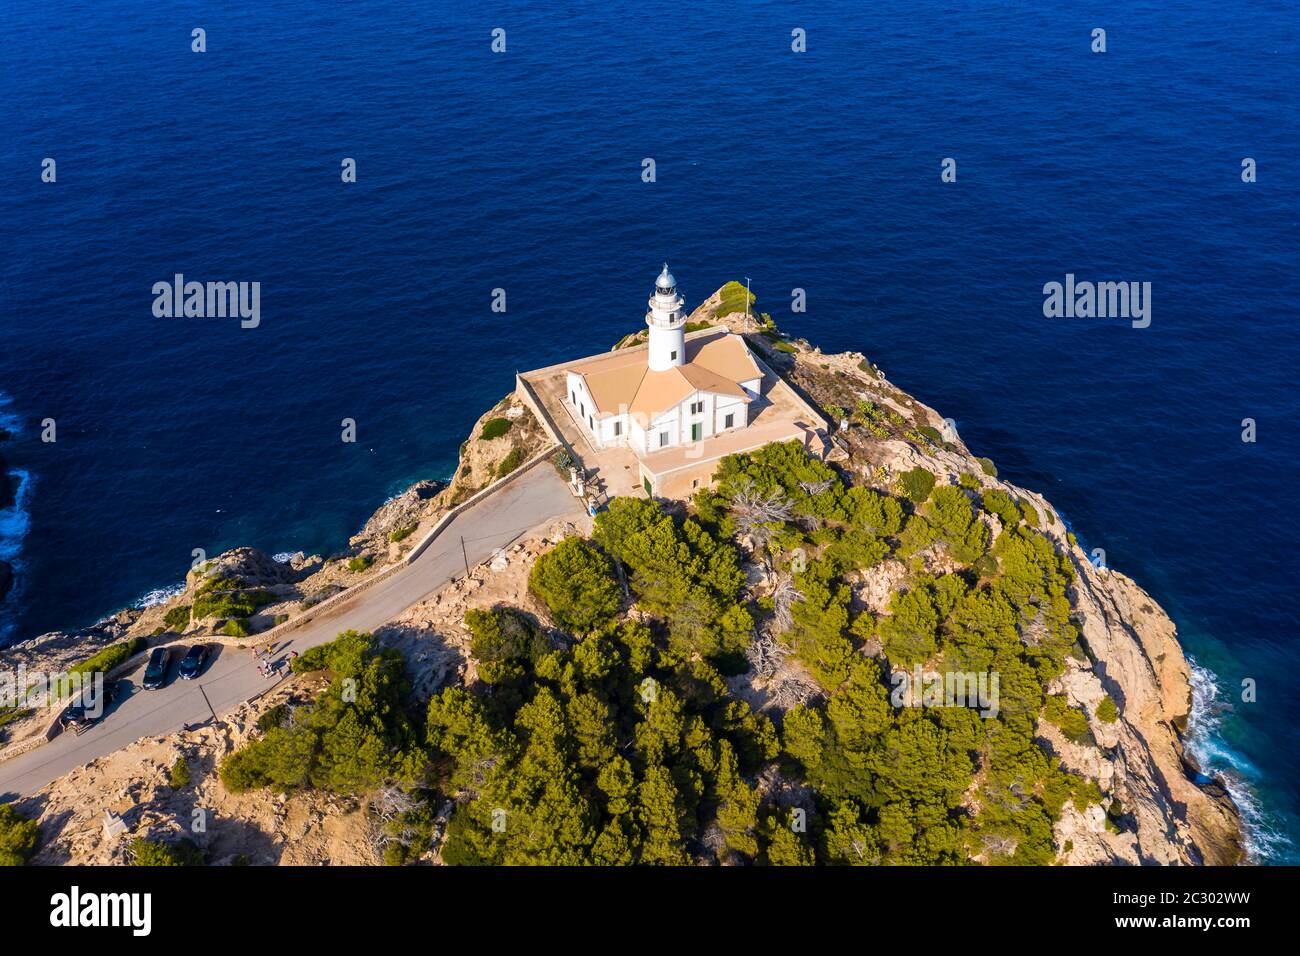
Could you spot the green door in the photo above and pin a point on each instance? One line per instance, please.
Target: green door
(697, 431)
(648, 491)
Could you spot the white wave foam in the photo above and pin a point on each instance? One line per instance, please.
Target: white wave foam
(160, 595)
(1212, 754)
(15, 520)
(282, 557)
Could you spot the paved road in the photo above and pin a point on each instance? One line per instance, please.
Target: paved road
(531, 500)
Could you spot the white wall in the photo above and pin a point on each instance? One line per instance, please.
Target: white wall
(663, 344)
(730, 405)
(676, 422)
(578, 396)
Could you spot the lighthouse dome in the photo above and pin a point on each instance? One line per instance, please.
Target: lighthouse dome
(666, 282)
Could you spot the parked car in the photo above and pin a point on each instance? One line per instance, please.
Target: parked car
(87, 710)
(155, 673)
(192, 663)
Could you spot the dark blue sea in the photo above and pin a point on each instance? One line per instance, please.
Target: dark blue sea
(522, 171)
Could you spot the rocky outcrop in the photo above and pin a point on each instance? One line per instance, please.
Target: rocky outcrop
(1137, 659)
(261, 827)
(1156, 809)
(258, 828)
(251, 567)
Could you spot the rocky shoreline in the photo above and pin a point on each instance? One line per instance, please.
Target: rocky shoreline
(1139, 761)
(1154, 811)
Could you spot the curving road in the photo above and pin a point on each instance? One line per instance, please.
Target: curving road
(531, 500)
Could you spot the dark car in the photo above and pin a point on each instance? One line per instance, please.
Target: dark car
(86, 711)
(193, 662)
(155, 674)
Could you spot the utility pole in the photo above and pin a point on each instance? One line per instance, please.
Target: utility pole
(746, 303)
(464, 555)
(208, 702)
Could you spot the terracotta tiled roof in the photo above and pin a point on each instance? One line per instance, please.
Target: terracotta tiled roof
(715, 363)
(726, 355)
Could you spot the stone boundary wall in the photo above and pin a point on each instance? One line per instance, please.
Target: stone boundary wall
(473, 499)
(315, 611)
(524, 390)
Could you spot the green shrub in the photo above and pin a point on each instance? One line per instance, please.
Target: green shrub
(273, 717)
(361, 562)
(110, 657)
(180, 774)
(563, 461)
(495, 428)
(733, 298)
(877, 429)
(345, 655)
(997, 502)
(917, 484)
(1071, 720)
(401, 534)
(281, 619)
(509, 463)
(932, 433)
(18, 836)
(577, 583)
(228, 597)
(1029, 513)
(178, 618)
(352, 738)
(990, 469)
(785, 347)
(236, 627)
(1107, 712)
(157, 853)
(969, 482)
(502, 641)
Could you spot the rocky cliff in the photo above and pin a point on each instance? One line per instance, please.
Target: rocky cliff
(1155, 807)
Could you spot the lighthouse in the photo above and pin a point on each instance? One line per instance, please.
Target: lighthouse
(667, 323)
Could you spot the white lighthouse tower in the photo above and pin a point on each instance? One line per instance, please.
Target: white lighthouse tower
(667, 324)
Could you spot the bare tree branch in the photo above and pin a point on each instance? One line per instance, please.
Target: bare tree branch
(756, 512)
(814, 488)
(784, 596)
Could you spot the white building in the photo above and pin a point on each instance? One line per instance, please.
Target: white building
(677, 392)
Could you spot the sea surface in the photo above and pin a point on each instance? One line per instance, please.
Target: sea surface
(523, 171)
